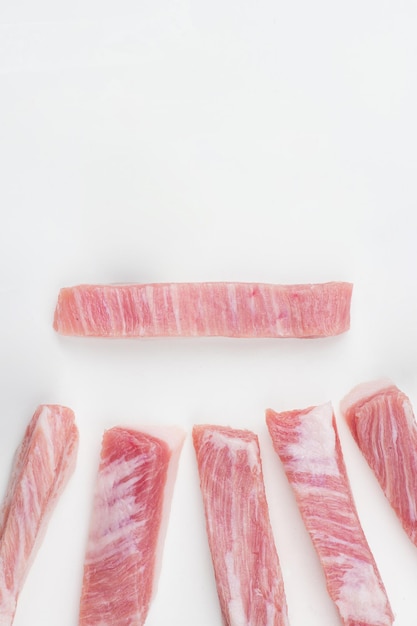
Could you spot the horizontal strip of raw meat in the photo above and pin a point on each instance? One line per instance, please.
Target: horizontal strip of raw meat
(44, 462)
(308, 445)
(204, 309)
(381, 420)
(129, 520)
(246, 566)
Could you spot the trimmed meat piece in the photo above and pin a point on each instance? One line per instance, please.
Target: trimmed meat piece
(381, 420)
(130, 514)
(246, 567)
(308, 445)
(197, 309)
(43, 464)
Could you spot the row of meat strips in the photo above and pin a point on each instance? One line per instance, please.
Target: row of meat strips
(137, 469)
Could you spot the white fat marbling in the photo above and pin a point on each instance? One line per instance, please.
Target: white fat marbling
(175, 306)
(361, 597)
(236, 444)
(314, 451)
(236, 608)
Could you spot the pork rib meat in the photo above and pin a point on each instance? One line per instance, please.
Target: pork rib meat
(43, 464)
(246, 567)
(308, 445)
(381, 420)
(197, 309)
(130, 513)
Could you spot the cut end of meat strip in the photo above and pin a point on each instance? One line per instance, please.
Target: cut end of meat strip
(381, 419)
(308, 445)
(360, 394)
(43, 464)
(245, 561)
(130, 513)
(204, 309)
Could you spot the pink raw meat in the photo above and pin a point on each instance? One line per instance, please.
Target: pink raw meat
(130, 514)
(196, 309)
(308, 444)
(381, 420)
(246, 567)
(44, 462)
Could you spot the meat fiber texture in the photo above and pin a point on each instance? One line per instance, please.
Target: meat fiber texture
(130, 514)
(246, 566)
(308, 445)
(381, 420)
(198, 309)
(44, 462)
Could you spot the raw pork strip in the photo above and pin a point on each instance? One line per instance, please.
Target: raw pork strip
(211, 309)
(43, 464)
(246, 566)
(131, 507)
(381, 420)
(308, 444)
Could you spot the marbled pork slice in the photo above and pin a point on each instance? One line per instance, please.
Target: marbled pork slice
(381, 420)
(130, 513)
(246, 566)
(308, 445)
(211, 309)
(44, 462)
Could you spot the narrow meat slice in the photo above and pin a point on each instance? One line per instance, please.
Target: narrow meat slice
(44, 462)
(131, 507)
(196, 309)
(381, 420)
(308, 444)
(246, 567)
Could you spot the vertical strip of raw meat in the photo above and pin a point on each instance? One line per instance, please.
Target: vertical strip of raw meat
(197, 309)
(308, 444)
(44, 462)
(382, 423)
(130, 513)
(246, 567)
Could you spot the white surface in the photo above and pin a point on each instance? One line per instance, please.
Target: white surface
(190, 141)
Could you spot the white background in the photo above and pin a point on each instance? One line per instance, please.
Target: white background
(186, 141)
